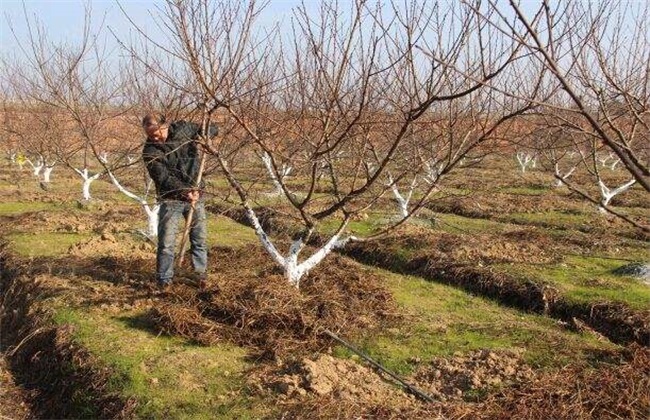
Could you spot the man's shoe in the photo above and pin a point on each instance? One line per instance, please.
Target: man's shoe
(163, 286)
(195, 279)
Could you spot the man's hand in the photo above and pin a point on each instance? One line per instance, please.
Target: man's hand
(193, 196)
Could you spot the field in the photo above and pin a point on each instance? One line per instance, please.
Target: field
(505, 297)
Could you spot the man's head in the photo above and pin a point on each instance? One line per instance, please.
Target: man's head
(155, 126)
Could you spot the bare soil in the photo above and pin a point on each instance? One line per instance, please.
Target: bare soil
(14, 400)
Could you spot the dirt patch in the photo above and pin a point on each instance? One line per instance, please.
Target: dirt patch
(13, 399)
(619, 389)
(468, 376)
(327, 387)
(113, 245)
(261, 310)
(495, 204)
(325, 375)
(111, 221)
(485, 249)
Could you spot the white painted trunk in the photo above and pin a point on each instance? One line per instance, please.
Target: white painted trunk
(264, 238)
(151, 211)
(86, 189)
(47, 174)
(285, 171)
(607, 194)
(524, 160)
(87, 180)
(266, 158)
(38, 167)
(560, 182)
(152, 219)
(292, 269)
(402, 202)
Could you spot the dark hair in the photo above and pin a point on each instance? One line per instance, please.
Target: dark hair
(153, 119)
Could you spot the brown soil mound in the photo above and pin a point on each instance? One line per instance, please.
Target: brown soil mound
(111, 221)
(460, 376)
(495, 204)
(613, 391)
(327, 387)
(107, 244)
(328, 376)
(261, 310)
(484, 249)
(13, 399)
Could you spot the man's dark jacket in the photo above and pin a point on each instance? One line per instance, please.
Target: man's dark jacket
(174, 164)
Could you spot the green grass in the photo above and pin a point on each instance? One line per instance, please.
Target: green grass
(588, 279)
(223, 231)
(355, 227)
(169, 377)
(47, 244)
(13, 208)
(445, 320)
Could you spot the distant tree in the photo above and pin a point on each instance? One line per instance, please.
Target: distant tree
(75, 83)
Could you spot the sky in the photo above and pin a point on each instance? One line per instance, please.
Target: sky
(63, 19)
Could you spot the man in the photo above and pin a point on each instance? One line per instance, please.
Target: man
(171, 155)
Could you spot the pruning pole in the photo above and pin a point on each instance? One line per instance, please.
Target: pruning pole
(190, 214)
(409, 387)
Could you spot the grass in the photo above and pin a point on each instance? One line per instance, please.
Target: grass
(223, 231)
(169, 377)
(444, 320)
(459, 224)
(589, 279)
(13, 208)
(48, 244)
(173, 378)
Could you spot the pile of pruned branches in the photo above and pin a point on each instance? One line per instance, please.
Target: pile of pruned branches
(260, 310)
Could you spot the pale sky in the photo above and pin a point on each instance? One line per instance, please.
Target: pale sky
(63, 19)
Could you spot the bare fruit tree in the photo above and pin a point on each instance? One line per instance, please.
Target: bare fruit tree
(76, 82)
(338, 100)
(597, 54)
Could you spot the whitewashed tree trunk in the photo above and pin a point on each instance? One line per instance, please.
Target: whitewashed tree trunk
(150, 210)
(525, 160)
(47, 172)
(560, 177)
(604, 159)
(87, 180)
(37, 167)
(284, 171)
(293, 270)
(402, 202)
(607, 194)
(432, 173)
